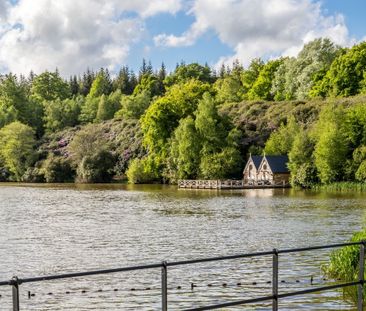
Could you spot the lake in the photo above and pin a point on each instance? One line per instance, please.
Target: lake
(48, 229)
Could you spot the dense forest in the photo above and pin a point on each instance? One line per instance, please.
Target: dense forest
(194, 122)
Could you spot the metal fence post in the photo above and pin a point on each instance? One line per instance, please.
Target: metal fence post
(361, 277)
(275, 280)
(164, 286)
(15, 292)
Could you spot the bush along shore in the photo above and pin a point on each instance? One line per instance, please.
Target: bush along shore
(344, 266)
(192, 123)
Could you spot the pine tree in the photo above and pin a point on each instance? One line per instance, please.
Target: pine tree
(122, 82)
(87, 81)
(74, 85)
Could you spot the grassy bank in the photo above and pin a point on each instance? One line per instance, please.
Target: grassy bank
(344, 265)
(346, 186)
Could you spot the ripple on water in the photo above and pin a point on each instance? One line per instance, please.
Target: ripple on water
(64, 228)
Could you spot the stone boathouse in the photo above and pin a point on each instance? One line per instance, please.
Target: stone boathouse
(266, 170)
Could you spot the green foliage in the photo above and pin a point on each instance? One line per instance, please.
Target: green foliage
(49, 86)
(57, 169)
(331, 146)
(346, 74)
(229, 89)
(224, 164)
(283, 84)
(102, 84)
(13, 100)
(301, 164)
(108, 106)
(344, 265)
(105, 110)
(86, 82)
(344, 262)
(16, 152)
(148, 84)
(341, 186)
(139, 172)
(59, 114)
(33, 175)
(262, 86)
(127, 142)
(361, 172)
(15, 104)
(312, 64)
(280, 142)
(185, 151)
(163, 115)
(87, 142)
(296, 77)
(124, 81)
(198, 113)
(304, 175)
(355, 125)
(96, 168)
(184, 73)
(89, 110)
(210, 125)
(134, 106)
(249, 76)
(8, 114)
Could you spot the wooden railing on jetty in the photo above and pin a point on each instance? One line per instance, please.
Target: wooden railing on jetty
(228, 184)
(211, 184)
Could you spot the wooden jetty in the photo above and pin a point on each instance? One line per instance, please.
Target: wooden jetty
(228, 184)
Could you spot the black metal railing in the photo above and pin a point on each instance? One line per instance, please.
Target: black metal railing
(15, 282)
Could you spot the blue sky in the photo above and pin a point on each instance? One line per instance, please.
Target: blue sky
(210, 48)
(73, 35)
(354, 13)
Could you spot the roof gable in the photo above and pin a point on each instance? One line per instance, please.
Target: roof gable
(257, 160)
(278, 164)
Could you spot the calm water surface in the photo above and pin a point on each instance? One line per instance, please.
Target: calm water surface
(65, 228)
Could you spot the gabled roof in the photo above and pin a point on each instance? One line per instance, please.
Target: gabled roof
(257, 160)
(278, 164)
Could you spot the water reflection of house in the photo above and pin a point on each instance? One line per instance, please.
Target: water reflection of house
(266, 170)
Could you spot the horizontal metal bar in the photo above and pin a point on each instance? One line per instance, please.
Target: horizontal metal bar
(87, 273)
(266, 298)
(318, 289)
(304, 249)
(194, 261)
(177, 263)
(231, 304)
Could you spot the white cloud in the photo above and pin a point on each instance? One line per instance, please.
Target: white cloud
(188, 38)
(72, 35)
(150, 8)
(4, 8)
(259, 28)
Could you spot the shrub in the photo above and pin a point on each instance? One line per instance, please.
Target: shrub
(138, 172)
(224, 164)
(33, 175)
(4, 174)
(96, 168)
(305, 176)
(16, 152)
(361, 172)
(344, 264)
(57, 169)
